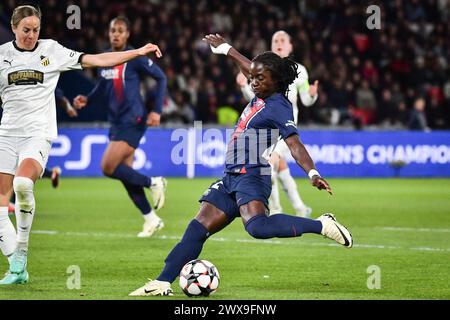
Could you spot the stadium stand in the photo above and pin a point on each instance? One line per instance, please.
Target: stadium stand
(367, 77)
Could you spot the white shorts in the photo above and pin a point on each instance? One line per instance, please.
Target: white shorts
(13, 150)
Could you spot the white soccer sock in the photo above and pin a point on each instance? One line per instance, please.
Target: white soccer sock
(149, 216)
(274, 199)
(7, 233)
(25, 209)
(290, 188)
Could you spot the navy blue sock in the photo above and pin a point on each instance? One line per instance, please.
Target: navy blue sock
(137, 195)
(47, 173)
(187, 249)
(281, 226)
(129, 175)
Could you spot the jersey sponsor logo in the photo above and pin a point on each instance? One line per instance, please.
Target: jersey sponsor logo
(45, 61)
(25, 77)
(110, 74)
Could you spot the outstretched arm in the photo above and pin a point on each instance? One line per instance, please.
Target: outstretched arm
(304, 160)
(219, 46)
(110, 59)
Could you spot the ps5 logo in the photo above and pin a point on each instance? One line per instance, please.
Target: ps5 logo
(62, 146)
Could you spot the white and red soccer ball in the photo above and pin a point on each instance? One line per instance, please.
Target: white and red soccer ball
(199, 278)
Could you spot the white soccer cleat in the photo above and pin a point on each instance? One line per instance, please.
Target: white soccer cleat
(335, 231)
(153, 288)
(158, 192)
(153, 224)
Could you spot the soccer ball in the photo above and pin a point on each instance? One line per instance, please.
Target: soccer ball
(199, 278)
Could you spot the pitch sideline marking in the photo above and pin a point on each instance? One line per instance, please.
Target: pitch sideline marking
(438, 230)
(220, 239)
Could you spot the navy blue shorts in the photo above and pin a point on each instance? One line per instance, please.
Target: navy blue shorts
(235, 190)
(131, 133)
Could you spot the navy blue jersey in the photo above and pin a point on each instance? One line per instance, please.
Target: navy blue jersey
(120, 87)
(260, 125)
(59, 94)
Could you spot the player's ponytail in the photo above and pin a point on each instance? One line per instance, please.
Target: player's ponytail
(22, 12)
(283, 70)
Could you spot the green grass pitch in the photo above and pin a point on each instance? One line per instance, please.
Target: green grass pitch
(401, 228)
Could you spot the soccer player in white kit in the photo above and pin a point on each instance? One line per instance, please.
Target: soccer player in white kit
(29, 71)
(282, 45)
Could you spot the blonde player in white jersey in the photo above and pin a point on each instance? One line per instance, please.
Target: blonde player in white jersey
(282, 45)
(29, 72)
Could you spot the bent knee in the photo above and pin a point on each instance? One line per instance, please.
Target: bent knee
(256, 227)
(23, 188)
(108, 168)
(23, 184)
(258, 234)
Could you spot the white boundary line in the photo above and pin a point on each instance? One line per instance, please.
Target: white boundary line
(275, 242)
(437, 230)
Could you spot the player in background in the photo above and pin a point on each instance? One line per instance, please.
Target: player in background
(29, 71)
(282, 46)
(129, 119)
(245, 188)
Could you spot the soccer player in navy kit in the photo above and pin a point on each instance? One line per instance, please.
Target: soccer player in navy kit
(245, 188)
(129, 118)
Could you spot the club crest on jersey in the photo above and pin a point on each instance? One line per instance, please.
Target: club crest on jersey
(25, 77)
(250, 108)
(45, 61)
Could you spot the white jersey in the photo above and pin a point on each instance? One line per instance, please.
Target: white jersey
(28, 81)
(299, 86)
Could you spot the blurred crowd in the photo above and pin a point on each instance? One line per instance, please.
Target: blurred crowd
(395, 77)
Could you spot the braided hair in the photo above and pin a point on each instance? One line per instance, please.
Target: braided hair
(283, 70)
